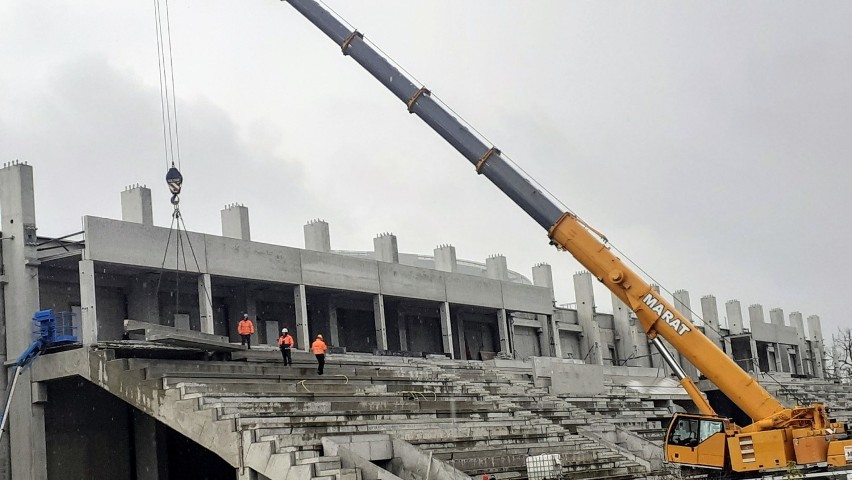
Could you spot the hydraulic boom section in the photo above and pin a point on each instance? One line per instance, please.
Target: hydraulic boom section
(777, 432)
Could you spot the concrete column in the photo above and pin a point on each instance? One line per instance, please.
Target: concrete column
(403, 331)
(445, 258)
(205, 302)
(734, 312)
(300, 298)
(332, 321)
(548, 341)
(21, 296)
(317, 236)
(590, 344)
(815, 329)
(710, 312)
(251, 309)
(503, 331)
(385, 248)
(460, 335)
(150, 448)
(496, 268)
(235, 222)
(447, 330)
(136, 205)
(782, 361)
(624, 333)
(555, 341)
(776, 317)
(755, 314)
(684, 306)
(798, 323)
(381, 325)
(543, 277)
(88, 303)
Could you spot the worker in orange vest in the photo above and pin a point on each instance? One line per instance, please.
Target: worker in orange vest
(285, 343)
(245, 328)
(319, 347)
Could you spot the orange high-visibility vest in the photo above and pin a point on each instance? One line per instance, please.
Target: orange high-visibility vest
(245, 327)
(318, 347)
(286, 340)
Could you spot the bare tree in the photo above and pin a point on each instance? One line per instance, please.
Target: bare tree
(841, 354)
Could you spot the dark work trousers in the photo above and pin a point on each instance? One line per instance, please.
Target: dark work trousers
(288, 357)
(246, 340)
(321, 361)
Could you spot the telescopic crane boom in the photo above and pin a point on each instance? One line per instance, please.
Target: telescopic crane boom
(772, 440)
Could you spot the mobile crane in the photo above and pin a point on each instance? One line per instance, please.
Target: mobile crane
(778, 437)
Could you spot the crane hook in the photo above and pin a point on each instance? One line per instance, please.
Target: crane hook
(174, 179)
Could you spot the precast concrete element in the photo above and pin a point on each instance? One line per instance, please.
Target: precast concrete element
(21, 299)
(445, 258)
(333, 329)
(817, 347)
(88, 303)
(591, 349)
(205, 302)
(339, 272)
(625, 334)
(303, 338)
(496, 268)
(543, 277)
(235, 222)
(684, 306)
(142, 301)
(797, 322)
(776, 317)
(412, 282)
(380, 323)
(734, 313)
(317, 236)
(385, 248)
(712, 328)
(755, 314)
(503, 332)
(447, 330)
(136, 205)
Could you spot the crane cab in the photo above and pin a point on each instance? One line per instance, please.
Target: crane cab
(697, 440)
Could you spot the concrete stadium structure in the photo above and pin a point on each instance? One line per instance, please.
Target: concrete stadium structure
(450, 323)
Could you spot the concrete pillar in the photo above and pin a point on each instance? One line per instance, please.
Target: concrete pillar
(136, 205)
(459, 334)
(625, 333)
(815, 330)
(496, 268)
(300, 298)
(445, 258)
(782, 360)
(205, 302)
(21, 298)
(235, 222)
(734, 313)
(403, 331)
(447, 330)
(591, 349)
(88, 303)
(332, 321)
(251, 309)
(150, 448)
(684, 306)
(317, 236)
(385, 248)
(503, 331)
(776, 317)
(379, 319)
(550, 341)
(710, 312)
(755, 314)
(798, 323)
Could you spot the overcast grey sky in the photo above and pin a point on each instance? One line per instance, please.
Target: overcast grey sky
(709, 140)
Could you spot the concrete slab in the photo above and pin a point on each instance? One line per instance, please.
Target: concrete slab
(179, 337)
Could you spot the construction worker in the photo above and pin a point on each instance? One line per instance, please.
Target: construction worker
(245, 328)
(285, 343)
(319, 347)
